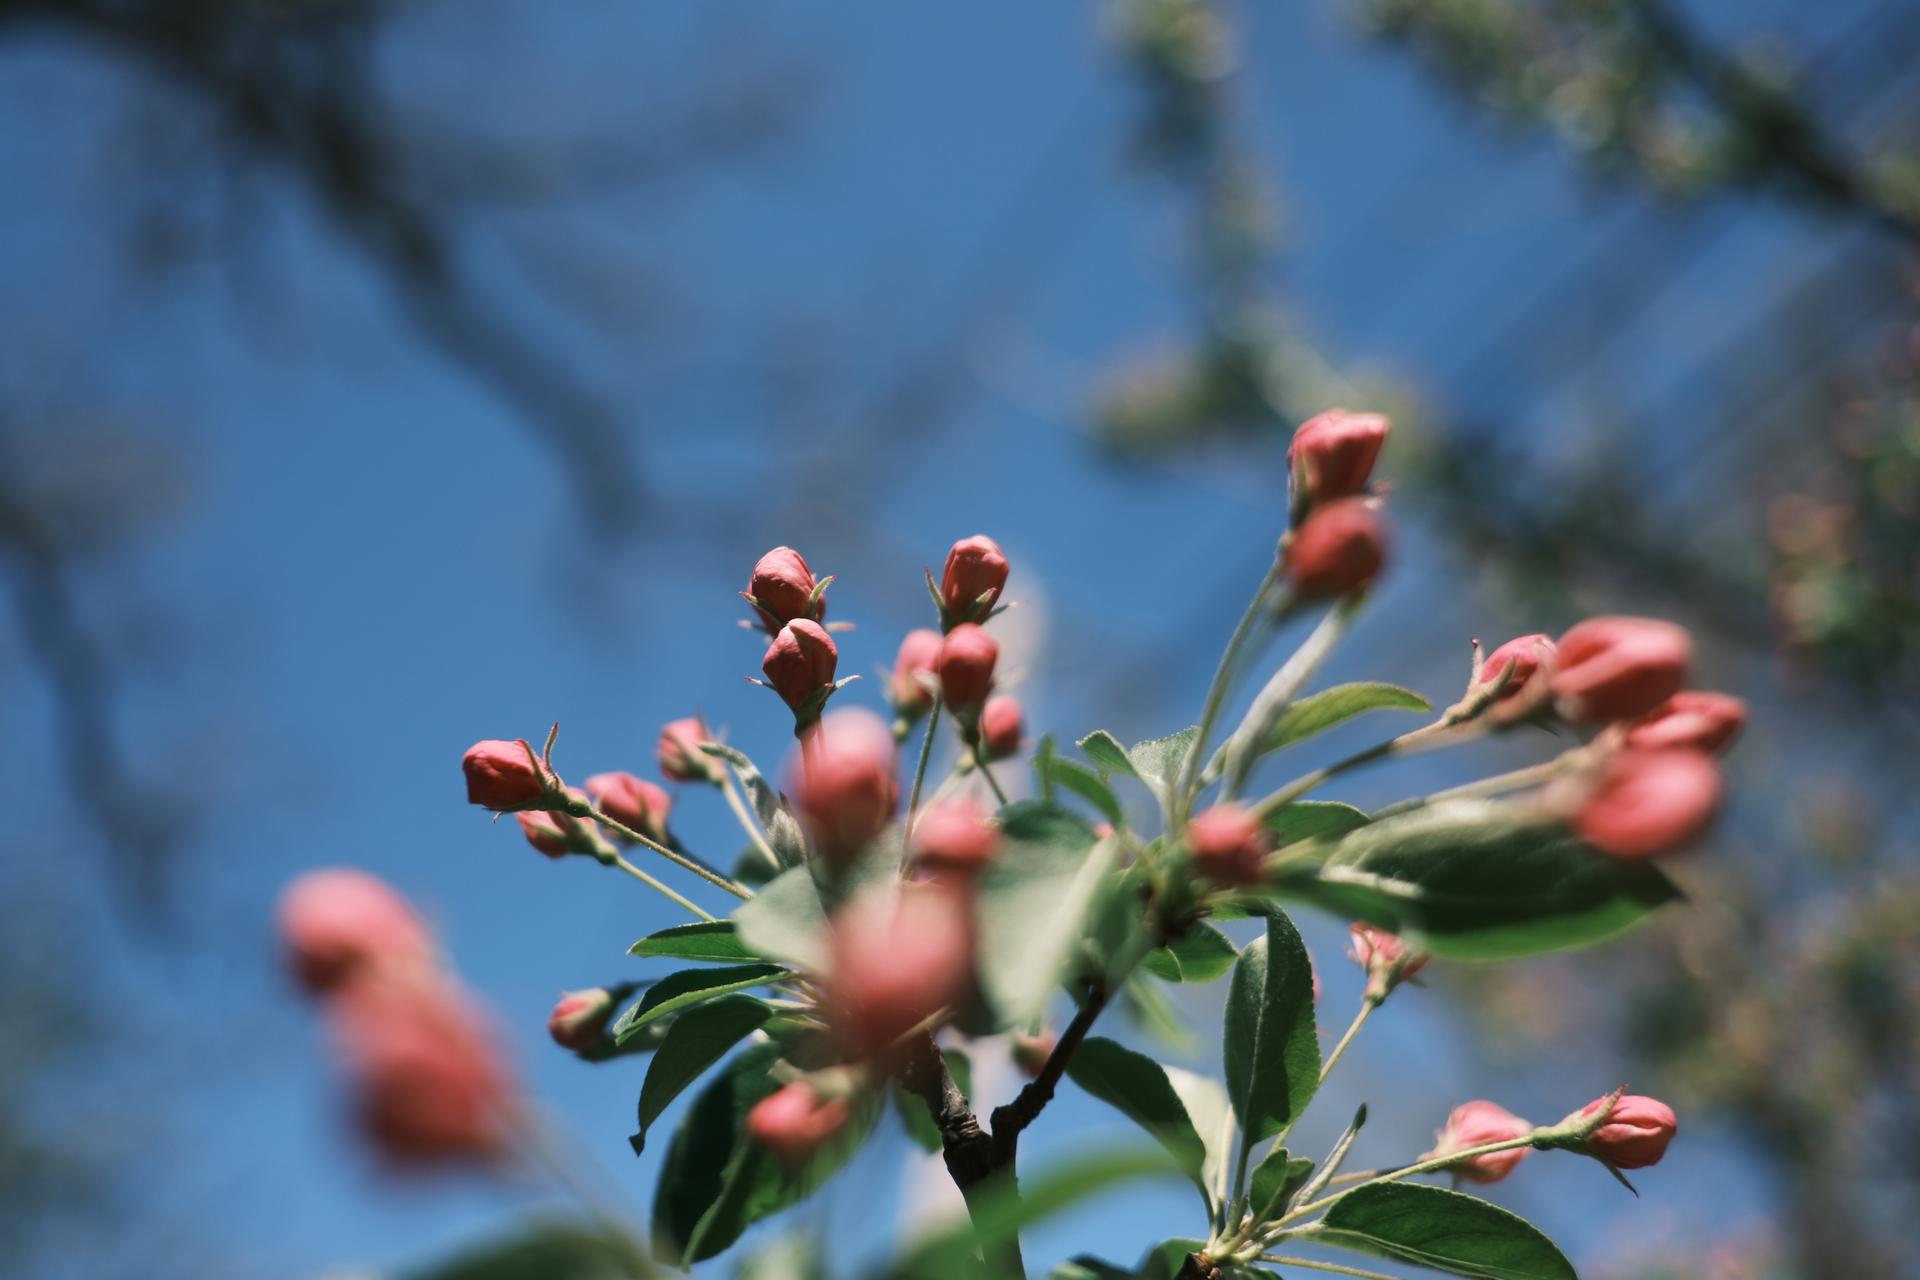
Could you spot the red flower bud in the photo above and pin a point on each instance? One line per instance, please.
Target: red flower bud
(1332, 455)
(1530, 659)
(1386, 957)
(843, 783)
(1701, 721)
(793, 1123)
(966, 667)
(781, 588)
(954, 840)
(1636, 1133)
(1030, 1052)
(1476, 1124)
(339, 923)
(900, 956)
(1228, 845)
(1002, 727)
(919, 654)
(1339, 548)
(1618, 668)
(1642, 803)
(503, 776)
(429, 1082)
(679, 753)
(632, 802)
(578, 1019)
(800, 662)
(976, 567)
(557, 834)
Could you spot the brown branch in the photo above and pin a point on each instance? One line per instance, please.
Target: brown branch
(1015, 1116)
(1198, 1266)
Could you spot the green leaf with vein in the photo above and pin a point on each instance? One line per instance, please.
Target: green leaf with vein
(1272, 1049)
(1470, 882)
(1275, 1178)
(688, 987)
(1444, 1230)
(1138, 1087)
(1071, 775)
(715, 940)
(1158, 761)
(1108, 756)
(1032, 905)
(1312, 819)
(785, 921)
(1318, 712)
(698, 1038)
(1201, 954)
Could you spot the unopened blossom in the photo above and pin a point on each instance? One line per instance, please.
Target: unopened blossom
(339, 923)
(1385, 956)
(844, 784)
(793, 1122)
(1526, 663)
(1478, 1124)
(1691, 718)
(1332, 455)
(800, 662)
(1228, 845)
(965, 666)
(504, 776)
(633, 802)
(1618, 668)
(1340, 548)
(781, 589)
(679, 755)
(1636, 1132)
(913, 671)
(1641, 803)
(954, 839)
(976, 568)
(579, 1017)
(1002, 726)
(557, 833)
(1031, 1051)
(900, 956)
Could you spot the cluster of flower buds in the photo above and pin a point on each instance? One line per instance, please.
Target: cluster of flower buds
(428, 1081)
(1622, 1131)
(1386, 957)
(791, 606)
(1339, 542)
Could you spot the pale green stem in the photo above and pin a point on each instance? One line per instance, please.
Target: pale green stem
(1367, 1006)
(1424, 738)
(1413, 1170)
(1243, 748)
(581, 809)
(1180, 800)
(1498, 784)
(986, 771)
(746, 819)
(920, 774)
(658, 887)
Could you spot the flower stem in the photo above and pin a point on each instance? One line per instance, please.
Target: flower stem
(920, 773)
(1498, 784)
(1180, 801)
(986, 770)
(1367, 1006)
(658, 887)
(1424, 1166)
(746, 819)
(584, 809)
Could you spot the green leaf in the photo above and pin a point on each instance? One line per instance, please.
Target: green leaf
(1202, 954)
(688, 987)
(1321, 711)
(1272, 1047)
(1274, 1179)
(1107, 754)
(1139, 1089)
(1312, 819)
(1087, 1267)
(553, 1252)
(785, 921)
(698, 1038)
(783, 830)
(924, 1133)
(1158, 761)
(1149, 1009)
(1032, 905)
(716, 940)
(1444, 1230)
(1071, 775)
(1164, 1260)
(1206, 1104)
(1468, 882)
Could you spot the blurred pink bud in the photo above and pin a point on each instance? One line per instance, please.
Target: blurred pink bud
(1228, 844)
(781, 587)
(1642, 803)
(503, 776)
(1530, 659)
(919, 654)
(1635, 1134)
(1386, 957)
(1339, 548)
(679, 753)
(800, 662)
(632, 802)
(1616, 668)
(954, 840)
(557, 834)
(1332, 455)
(339, 923)
(793, 1123)
(975, 567)
(580, 1016)
(843, 782)
(900, 956)
(1702, 721)
(429, 1082)
(966, 666)
(1476, 1124)
(1002, 727)
(1030, 1052)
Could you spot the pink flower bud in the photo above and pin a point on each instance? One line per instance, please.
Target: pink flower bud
(781, 587)
(1701, 721)
(578, 1019)
(1476, 1124)
(976, 567)
(1530, 659)
(1386, 957)
(793, 1123)
(1332, 455)
(429, 1082)
(1228, 845)
(1339, 548)
(800, 662)
(1030, 1052)
(679, 753)
(632, 802)
(1002, 727)
(919, 654)
(503, 776)
(843, 783)
(1617, 668)
(339, 923)
(954, 840)
(1642, 803)
(1636, 1133)
(900, 956)
(556, 833)
(966, 666)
